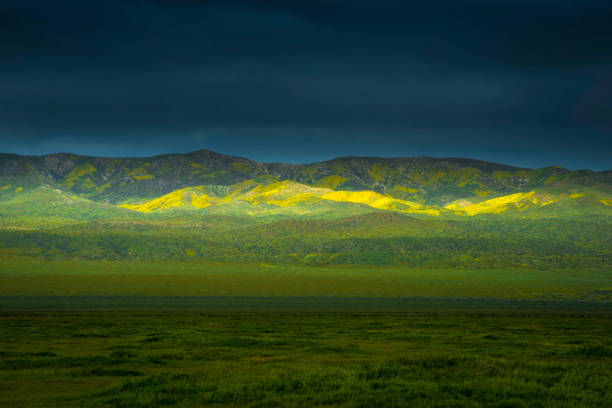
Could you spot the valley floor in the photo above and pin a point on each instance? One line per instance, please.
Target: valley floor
(467, 357)
(38, 277)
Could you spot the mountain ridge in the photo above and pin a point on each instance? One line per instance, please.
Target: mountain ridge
(466, 160)
(419, 184)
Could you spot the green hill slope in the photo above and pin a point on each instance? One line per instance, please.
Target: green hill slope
(46, 206)
(427, 181)
(213, 183)
(206, 207)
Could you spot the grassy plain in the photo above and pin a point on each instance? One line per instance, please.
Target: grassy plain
(277, 359)
(37, 277)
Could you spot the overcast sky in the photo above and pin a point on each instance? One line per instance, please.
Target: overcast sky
(522, 82)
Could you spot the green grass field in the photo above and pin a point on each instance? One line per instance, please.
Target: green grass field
(134, 333)
(295, 359)
(32, 277)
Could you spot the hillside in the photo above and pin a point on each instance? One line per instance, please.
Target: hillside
(205, 207)
(216, 183)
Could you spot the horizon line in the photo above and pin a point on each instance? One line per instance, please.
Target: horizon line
(301, 163)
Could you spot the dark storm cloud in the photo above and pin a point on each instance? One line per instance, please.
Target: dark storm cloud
(490, 77)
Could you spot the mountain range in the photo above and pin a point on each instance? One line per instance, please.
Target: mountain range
(417, 212)
(206, 182)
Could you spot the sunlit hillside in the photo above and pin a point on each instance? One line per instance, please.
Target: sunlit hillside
(205, 182)
(419, 212)
(426, 181)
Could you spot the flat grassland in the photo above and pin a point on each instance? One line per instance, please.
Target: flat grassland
(296, 359)
(128, 333)
(38, 277)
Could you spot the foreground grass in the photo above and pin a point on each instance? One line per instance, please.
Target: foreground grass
(36, 277)
(265, 359)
